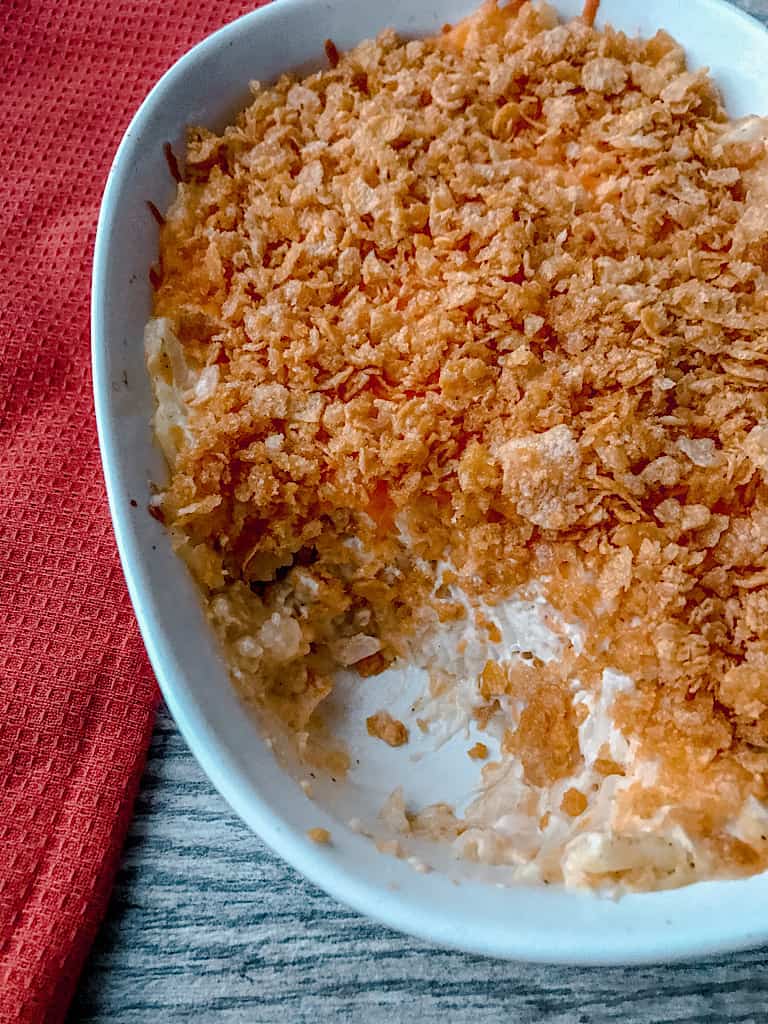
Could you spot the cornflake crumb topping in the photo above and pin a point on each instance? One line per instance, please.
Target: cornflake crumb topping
(495, 301)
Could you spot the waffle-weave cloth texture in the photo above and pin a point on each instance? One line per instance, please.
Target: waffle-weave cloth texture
(77, 696)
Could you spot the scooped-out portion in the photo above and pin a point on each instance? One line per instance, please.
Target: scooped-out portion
(460, 353)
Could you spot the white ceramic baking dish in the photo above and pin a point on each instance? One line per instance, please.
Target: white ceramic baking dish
(207, 86)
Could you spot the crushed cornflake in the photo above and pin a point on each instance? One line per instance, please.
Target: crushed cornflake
(494, 301)
(384, 727)
(321, 836)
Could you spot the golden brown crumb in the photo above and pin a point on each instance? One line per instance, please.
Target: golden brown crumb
(450, 611)
(494, 633)
(580, 713)
(493, 680)
(492, 630)
(607, 766)
(485, 713)
(546, 739)
(478, 752)
(384, 727)
(372, 665)
(321, 836)
(574, 802)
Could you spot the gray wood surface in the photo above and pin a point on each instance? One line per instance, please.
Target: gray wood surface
(206, 924)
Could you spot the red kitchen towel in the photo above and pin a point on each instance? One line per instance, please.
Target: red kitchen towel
(77, 695)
